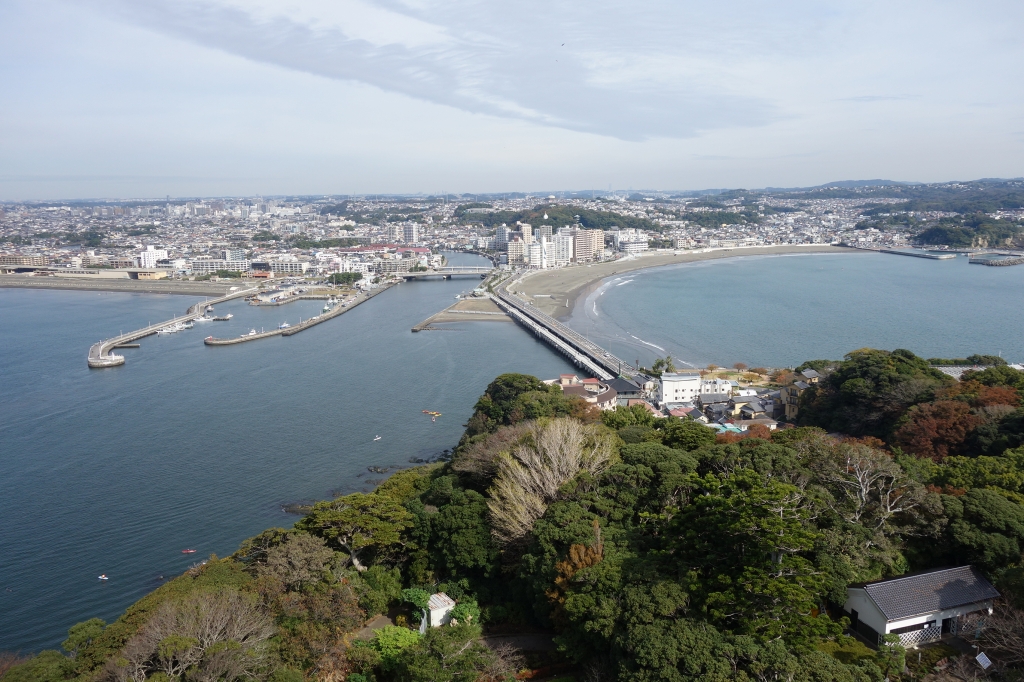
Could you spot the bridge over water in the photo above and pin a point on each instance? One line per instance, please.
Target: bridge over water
(583, 352)
(448, 273)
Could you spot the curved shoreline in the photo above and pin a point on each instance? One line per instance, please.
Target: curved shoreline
(556, 292)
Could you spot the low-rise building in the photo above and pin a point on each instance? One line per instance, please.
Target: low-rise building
(919, 608)
(679, 387)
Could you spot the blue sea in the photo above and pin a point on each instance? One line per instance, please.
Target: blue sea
(777, 311)
(186, 446)
(115, 471)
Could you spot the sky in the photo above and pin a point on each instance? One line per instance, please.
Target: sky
(145, 98)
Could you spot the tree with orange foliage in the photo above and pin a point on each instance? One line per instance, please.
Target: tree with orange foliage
(937, 430)
(579, 558)
(977, 394)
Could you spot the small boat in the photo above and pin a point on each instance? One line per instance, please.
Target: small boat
(187, 325)
(204, 318)
(209, 308)
(188, 551)
(327, 308)
(283, 325)
(376, 438)
(164, 331)
(252, 332)
(104, 577)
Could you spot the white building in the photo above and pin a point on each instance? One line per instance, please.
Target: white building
(209, 266)
(716, 386)
(679, 387)
(919, 608)
(411, 232)
(561, 253)
(439, 609)
(149, 257)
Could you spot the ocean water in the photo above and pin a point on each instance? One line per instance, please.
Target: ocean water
(115, 471)
(777, 311)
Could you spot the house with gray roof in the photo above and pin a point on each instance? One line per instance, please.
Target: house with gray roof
(919, 607)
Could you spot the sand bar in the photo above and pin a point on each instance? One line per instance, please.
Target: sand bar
(555, 292)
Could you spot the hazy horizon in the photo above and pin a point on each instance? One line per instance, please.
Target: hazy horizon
(110, 98)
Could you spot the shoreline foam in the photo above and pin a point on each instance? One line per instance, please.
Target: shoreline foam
(556, 292)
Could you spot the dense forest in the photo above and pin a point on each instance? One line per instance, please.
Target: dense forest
(648, 548)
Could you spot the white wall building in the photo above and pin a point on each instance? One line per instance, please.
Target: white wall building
(149, 257)
(679, 387)
(918, 608)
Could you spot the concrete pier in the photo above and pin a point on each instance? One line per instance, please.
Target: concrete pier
(100, 355)
(311, 322)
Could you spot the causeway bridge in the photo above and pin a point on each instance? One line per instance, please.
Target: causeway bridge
(581, 351)
(447, 273)
(100, 355)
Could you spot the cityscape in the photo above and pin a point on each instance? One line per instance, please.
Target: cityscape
(381, 236)
(377, 341)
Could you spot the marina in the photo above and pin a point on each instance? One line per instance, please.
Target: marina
(100, 355)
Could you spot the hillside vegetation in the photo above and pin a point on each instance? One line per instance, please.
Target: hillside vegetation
(649, 548)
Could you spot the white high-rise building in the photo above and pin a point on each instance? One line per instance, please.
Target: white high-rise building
(539, 254)
(561, 252)
(502, 238)
(149, 257)
(411, 232)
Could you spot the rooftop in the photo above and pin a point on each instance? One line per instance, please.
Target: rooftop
(930, 591)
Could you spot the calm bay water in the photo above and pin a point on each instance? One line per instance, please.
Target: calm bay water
(778, 311)
(186, 446)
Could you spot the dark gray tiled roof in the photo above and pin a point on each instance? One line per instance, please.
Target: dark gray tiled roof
(915, 595)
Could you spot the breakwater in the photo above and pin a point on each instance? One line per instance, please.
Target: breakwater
(340, 309)
(920, 254)
(997, 262)
(101, 357)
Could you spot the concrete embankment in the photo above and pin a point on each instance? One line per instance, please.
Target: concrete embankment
(128, 286)
(464, 310)
(100, 355)
(311, 322)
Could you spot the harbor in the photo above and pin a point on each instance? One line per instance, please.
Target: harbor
(287, 330)
(100, 355)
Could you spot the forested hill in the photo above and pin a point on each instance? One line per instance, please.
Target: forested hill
(648, 548)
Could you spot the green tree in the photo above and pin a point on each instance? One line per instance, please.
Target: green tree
(345, 277)
(358, 523)
(445, 654)
(623, 416)
(686, 434)
(380, 587)
(81, 635)
(744, 544)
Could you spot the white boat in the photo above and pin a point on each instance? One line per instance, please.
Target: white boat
(164, 331)
(187, 325)
(228, 316)
(252, 332)
(209, 308)
(327, 308)
(283, 325)
(204, 318)
(377, 438)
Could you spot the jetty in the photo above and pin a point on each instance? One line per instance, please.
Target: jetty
(995, 259)
(99, 353)
(919, 254)
(337, 310)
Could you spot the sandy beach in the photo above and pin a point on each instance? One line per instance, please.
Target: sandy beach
(556, 291)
